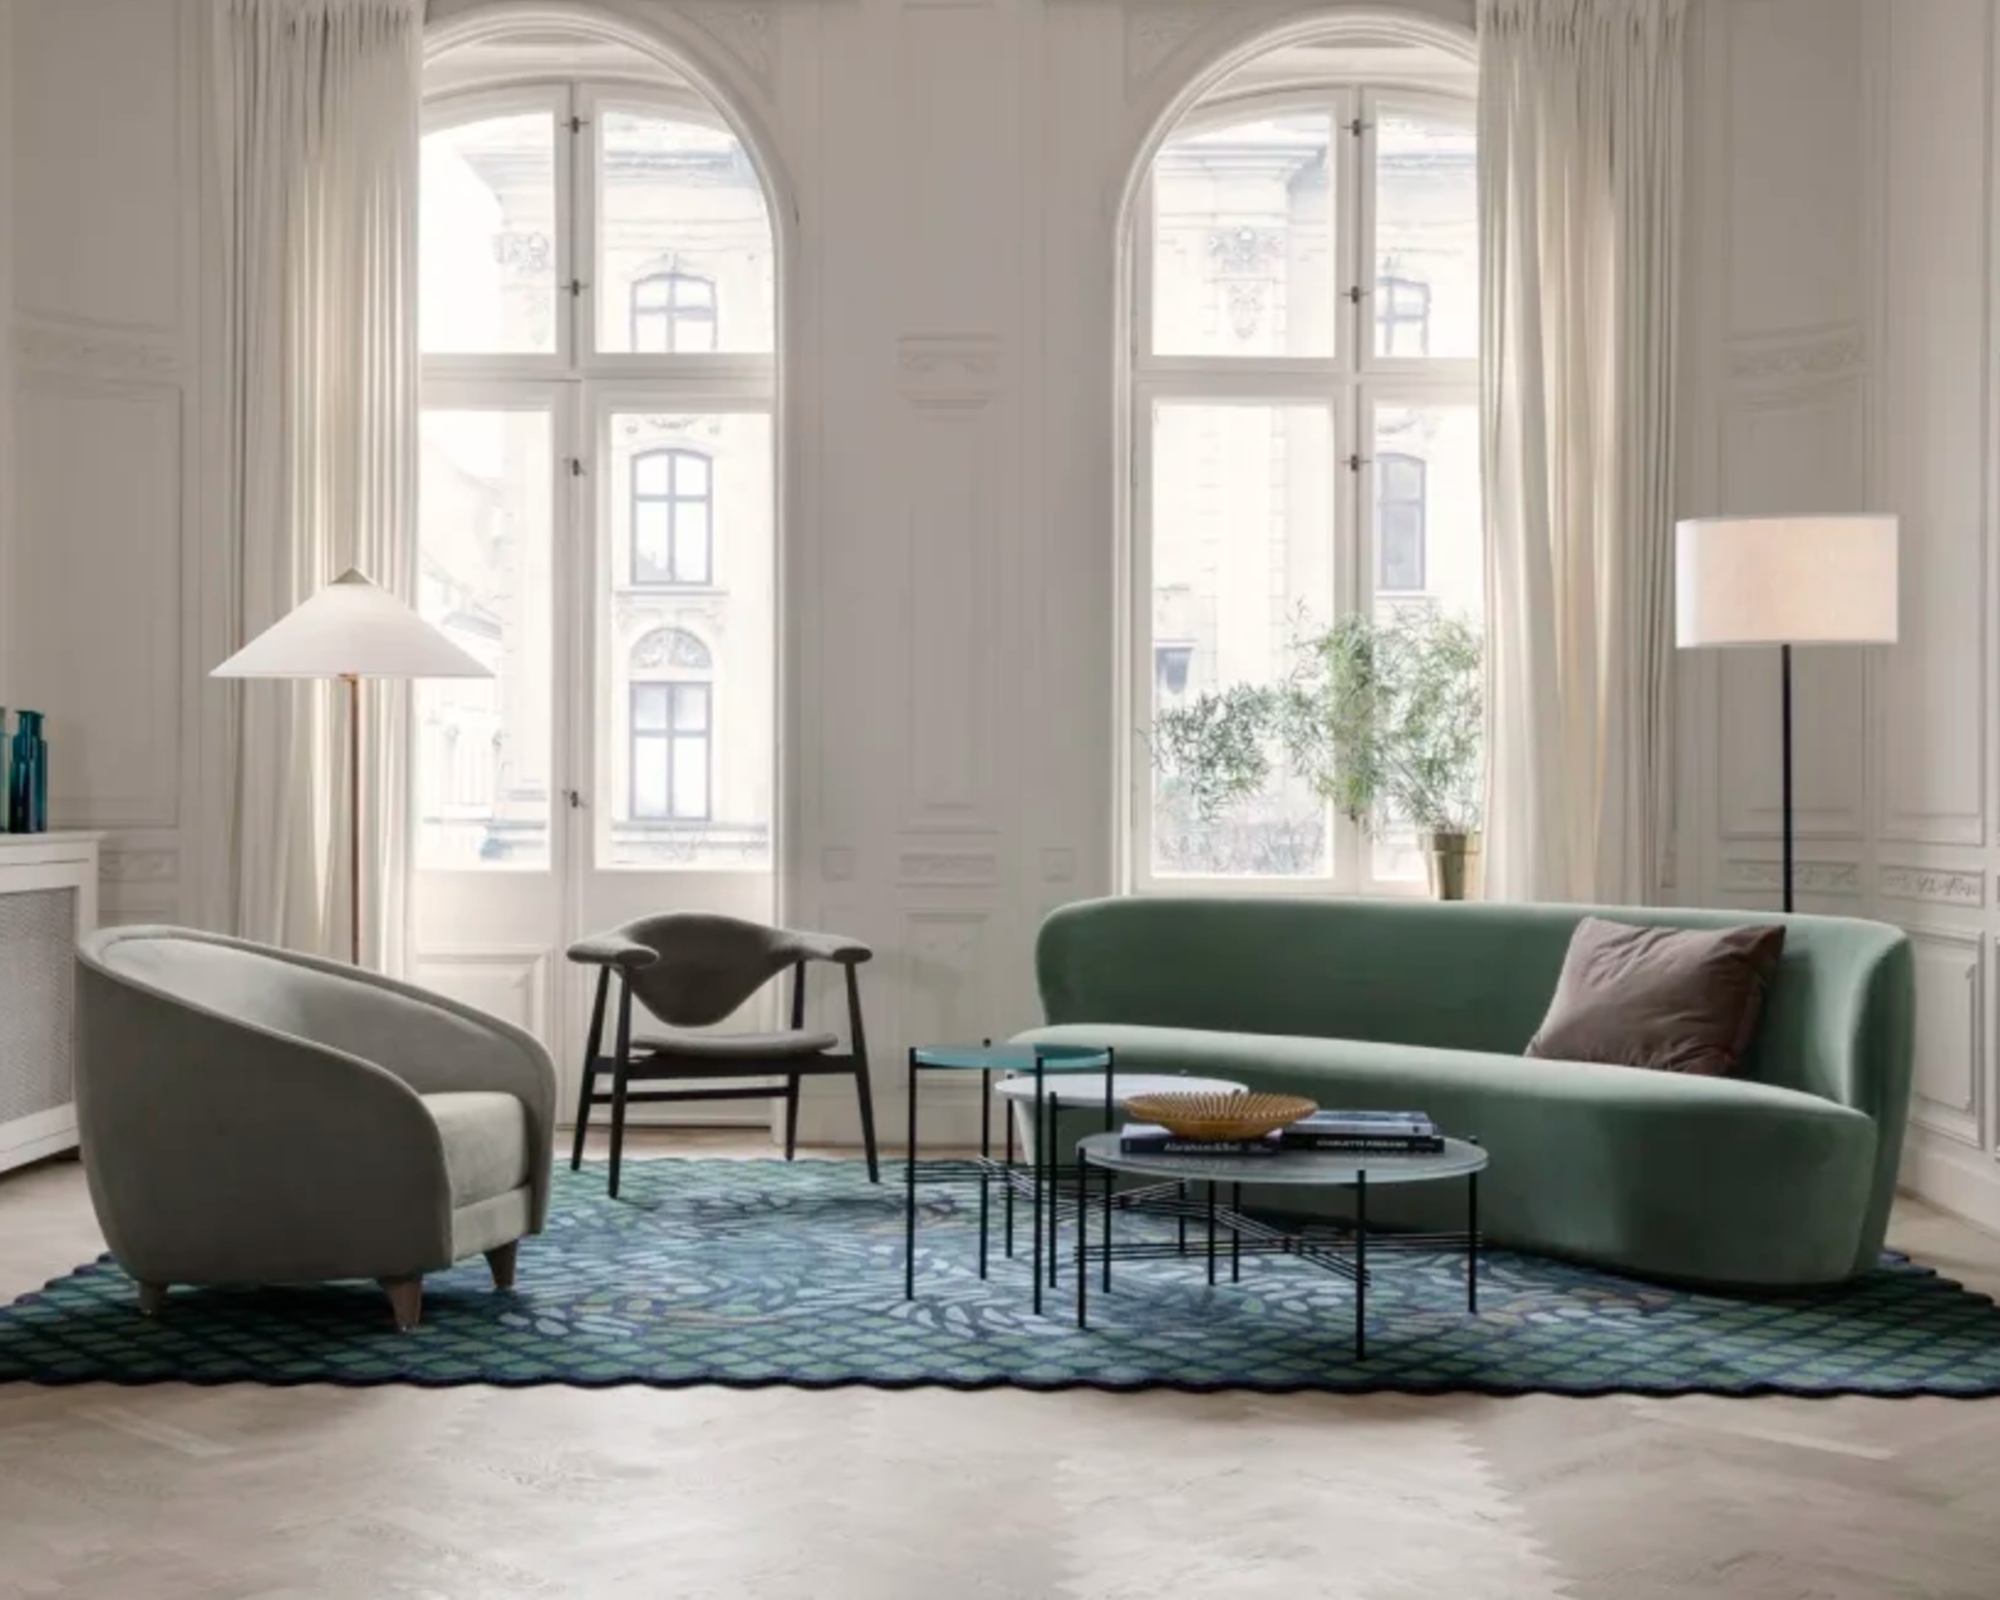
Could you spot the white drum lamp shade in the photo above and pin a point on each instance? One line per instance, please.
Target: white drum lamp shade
(1786, 580)
(352, 629)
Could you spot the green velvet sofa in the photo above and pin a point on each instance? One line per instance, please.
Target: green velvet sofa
(1779, 1177)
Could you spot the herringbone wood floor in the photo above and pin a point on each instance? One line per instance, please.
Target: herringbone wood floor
(172, 1493)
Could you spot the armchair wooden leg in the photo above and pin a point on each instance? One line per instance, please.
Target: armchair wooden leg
(406, 1300)
(152, 1299)
(501, 1261)
(791, 1116)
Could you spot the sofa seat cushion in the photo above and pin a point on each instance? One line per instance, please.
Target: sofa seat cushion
(1711, 1180)
(486, 1149)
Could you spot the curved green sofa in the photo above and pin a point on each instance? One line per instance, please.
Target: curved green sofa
(1779, 1177)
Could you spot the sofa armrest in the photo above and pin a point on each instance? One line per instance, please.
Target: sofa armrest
(218, 1151)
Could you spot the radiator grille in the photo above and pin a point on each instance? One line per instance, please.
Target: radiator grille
(37, 1001)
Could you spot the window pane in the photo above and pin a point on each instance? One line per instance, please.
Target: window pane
(1435, 542)
(690, 802)
(682, 229)
(690, 708)
(1426, 235)
(649, 777)
(713, 647)
(649, 707)
(487, 281)
(1242, 554)
(483, 547)
(1242, 240)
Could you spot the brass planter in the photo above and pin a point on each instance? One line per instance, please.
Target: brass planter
(1452, 862)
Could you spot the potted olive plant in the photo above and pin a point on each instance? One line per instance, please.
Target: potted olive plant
(1383, 716)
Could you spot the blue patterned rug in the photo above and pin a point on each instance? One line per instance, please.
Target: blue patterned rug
(755, 1273)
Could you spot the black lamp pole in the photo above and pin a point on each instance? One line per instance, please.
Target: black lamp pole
(1785, 692)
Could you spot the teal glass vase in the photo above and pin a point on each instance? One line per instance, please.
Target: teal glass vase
(28, 776)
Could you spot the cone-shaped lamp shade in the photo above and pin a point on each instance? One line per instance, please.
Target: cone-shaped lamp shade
(352, 628)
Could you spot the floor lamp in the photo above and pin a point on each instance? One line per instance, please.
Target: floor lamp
(352, 630)
(1785, 581)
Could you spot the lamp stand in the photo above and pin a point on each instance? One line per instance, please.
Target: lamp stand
(1785, 697)
(353, 683)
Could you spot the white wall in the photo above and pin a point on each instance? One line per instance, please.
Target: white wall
(1846, 363)
(956, 168)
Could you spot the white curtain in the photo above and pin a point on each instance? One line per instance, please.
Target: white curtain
(318, 106)
(1580, 186)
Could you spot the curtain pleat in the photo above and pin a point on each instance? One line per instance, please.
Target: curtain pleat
(317, 108)
(1580, 185)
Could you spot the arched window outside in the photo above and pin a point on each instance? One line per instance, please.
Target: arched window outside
(1304, 292)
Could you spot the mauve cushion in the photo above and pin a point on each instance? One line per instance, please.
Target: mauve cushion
(1673, 999)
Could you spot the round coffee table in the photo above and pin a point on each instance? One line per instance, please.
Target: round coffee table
(1344, 1257)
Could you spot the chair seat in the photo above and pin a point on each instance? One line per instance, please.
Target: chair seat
(486, 1143)
(786, 1045)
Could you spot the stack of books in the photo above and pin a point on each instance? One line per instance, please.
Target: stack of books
(1391, 1133)
(1399, 1133)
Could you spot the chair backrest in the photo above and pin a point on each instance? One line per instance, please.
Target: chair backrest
(708, 965)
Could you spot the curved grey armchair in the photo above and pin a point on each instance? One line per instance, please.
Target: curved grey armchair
(250, 1116)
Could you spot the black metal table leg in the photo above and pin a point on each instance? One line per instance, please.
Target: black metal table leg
(1082, 1240)
(1211, 1234)
(1235, 1233)
(1007, 1200)
(1361, 1266)
(1048, 1141)
(1040, 1157)
(1110, 1177)
(985, 1158)
(1472, 1243)
(910, 1189)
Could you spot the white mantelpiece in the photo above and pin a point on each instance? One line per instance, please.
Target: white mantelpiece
(48, 899)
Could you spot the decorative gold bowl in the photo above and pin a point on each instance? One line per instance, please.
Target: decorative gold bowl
(1220, 1116)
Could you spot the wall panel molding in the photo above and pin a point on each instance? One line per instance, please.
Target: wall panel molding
(1949, 1094)
(1746, 875)
(1936, 885)
(507, 981)
(1810, 354)
(85, 348)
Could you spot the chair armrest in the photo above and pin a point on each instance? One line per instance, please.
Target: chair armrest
(612, 950)
(218, 1151)
(824, 947)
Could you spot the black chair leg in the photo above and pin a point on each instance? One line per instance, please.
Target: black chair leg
(593, 1047)
(583, 1101)
(791, 1116)
(865, 1096)
(621, 1071)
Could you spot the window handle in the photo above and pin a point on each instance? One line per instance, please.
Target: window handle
(1356, 295)
(576, 287)
(575, 799)
(1356, 462)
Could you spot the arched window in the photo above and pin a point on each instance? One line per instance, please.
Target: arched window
(673, 518)
(672, 737)
(673, 312)
(1305, 298)
(598, 322)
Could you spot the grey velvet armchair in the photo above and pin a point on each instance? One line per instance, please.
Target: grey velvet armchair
(253, 1116)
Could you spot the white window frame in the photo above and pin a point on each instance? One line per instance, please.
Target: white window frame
(1351, 382)
(583, 386)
